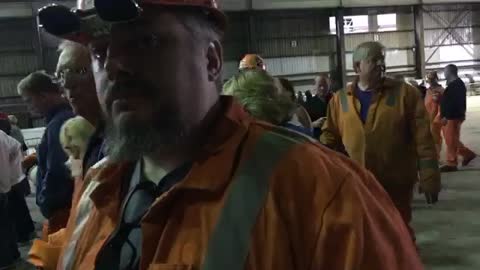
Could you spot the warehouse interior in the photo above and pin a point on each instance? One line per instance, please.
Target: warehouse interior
(300, 39)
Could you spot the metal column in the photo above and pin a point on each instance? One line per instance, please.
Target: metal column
(419, 41)
(341, 62)
(251, 27)
(37, 41)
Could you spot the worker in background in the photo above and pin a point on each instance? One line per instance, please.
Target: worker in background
(317, 105)
(19, 214)
(54, 184)
(420, 87)
(299, 114)
(252, 61)
(82, 137)
(187, 177)
(453, 108)
(382, 124)
(265, 99)
(16, 132)
(75, 75)
(10, 174)
(433, 98)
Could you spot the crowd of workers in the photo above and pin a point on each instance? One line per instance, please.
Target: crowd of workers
(132, 174)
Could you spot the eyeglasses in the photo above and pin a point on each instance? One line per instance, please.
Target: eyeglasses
(70, 74)
(123, 249)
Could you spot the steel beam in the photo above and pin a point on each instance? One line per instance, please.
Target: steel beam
(419, 41)
(341, 62)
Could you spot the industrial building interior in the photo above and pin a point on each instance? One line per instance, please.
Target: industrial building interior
(298, 40)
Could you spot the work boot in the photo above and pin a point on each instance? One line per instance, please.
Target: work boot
(448, 168)
(467, 161)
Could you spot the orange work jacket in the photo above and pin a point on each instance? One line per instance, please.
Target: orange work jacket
(432, 103)
(321, 210)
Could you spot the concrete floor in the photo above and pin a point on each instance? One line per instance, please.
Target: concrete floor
(448, 233)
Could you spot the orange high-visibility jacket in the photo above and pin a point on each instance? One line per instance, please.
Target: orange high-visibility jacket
(320, 210)
(394, 143)
(432, 103)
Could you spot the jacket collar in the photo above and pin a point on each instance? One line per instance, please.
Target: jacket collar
(55, 110)
(385, 84)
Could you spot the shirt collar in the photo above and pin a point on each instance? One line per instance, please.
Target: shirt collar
(386, 83)
(55, 110)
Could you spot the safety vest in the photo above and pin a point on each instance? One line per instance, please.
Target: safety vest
(229, 244)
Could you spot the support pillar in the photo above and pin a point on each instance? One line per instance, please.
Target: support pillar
(251, 29)
(341, 62)
(419, 41)
(373, 23)
(476, 34)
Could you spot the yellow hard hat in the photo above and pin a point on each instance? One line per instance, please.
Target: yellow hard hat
(370, 50)
(252, 61)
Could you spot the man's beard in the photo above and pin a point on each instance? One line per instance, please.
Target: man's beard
(131, 140)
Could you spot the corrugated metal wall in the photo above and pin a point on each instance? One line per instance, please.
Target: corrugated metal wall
(293, 42)
(17, 54)
(236, 42)
(399, 41)
(18, 57)
(452, 35)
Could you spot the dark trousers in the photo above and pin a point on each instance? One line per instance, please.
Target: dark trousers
(8, 242)
(19, 212)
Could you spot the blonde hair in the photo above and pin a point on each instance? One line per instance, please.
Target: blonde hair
(13, 119)
(75, 134)
(71, 54)
(257, 91)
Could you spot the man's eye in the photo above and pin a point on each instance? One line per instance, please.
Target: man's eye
(99, 51)
(99, 56)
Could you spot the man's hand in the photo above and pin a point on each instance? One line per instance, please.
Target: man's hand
(319, 123)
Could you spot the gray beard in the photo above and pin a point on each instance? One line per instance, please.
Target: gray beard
(131, 141)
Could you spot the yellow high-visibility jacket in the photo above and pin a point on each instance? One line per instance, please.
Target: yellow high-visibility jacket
(394, 143)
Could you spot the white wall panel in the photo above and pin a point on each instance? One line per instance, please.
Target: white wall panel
(285, 66)
(394, 58)
(371, 3)
(452, 53)
(449, 1)
(284, 4)
(10, 10)
(297, 65)
(233, 5)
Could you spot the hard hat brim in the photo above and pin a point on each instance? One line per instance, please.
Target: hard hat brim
(84, 25)
(76, 25)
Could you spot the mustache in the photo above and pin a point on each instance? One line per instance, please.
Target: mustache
(129, 87)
